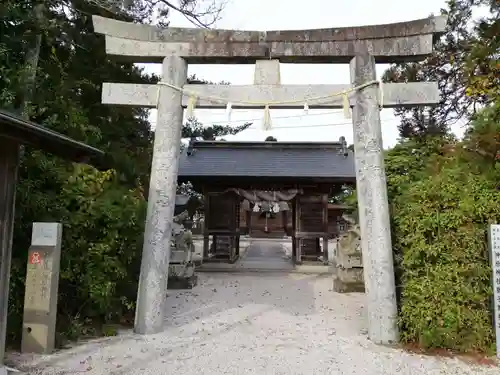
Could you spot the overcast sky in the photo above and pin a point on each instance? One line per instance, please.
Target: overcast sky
(293, 125)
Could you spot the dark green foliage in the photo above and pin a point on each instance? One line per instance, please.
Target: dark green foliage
(102, 212)
(443, 196)
(195, 129)
(465, 65)
(444, 193)
(102, 237)
(440, 225)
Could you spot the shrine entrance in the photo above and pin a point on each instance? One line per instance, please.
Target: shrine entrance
(362, 47)
(273, 205)
(268, 225)
(263, 218)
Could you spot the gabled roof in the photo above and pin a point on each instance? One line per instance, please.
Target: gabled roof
(27, 132)
(266, 160)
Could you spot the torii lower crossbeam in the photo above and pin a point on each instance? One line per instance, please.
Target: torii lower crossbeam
(394, 95)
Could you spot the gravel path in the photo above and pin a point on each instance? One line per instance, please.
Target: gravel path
(250, 324)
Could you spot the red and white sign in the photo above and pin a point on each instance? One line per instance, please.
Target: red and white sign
(35, 258)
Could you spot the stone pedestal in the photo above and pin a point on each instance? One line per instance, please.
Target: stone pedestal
(349, 264)
(332, 251)
(198, 252)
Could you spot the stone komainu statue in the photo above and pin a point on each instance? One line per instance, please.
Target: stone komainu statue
(351, 240)
(182, 238)
(181, 270)
(348, 275)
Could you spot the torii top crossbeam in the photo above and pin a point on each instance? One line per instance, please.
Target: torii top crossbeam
(396, 42)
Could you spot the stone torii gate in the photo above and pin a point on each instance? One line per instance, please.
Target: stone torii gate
(362, 47)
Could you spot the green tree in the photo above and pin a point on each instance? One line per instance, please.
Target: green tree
(102, 212)
(483, 61)
(447, 66)
(195, 129)
(199, 13)
(440, 218)
(443, 193)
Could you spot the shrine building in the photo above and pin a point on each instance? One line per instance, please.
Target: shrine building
(268, 188)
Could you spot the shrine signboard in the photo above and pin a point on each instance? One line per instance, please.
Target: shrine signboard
(494, 236)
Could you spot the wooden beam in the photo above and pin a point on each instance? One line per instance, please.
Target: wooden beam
(325, 228)
(394, 95)
(311, 234)
(206, 236)
(222, 232)
(297, 229)
(311, 198)
(335, 206)
(9, 157)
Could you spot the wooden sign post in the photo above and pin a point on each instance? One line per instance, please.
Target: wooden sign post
(494, 239)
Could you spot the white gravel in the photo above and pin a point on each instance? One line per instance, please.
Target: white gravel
(250, 324)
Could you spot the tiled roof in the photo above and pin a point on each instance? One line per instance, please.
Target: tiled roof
(266, 159)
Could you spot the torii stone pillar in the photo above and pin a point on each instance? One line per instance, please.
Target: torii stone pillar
(151, 296)
(373, 205)
(400, 42)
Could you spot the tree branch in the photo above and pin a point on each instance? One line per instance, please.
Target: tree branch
(193, 10)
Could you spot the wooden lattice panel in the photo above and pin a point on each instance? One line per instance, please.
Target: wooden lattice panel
(221, 212)
(311, 220)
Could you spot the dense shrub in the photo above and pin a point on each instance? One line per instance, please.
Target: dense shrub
(103, 225)
(440, 230)
(443, 196)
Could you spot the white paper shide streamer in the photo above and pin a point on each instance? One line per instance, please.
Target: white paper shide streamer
(267, 118)
(346, 105)
(229, 110)
(190, 107)
(267, 123)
